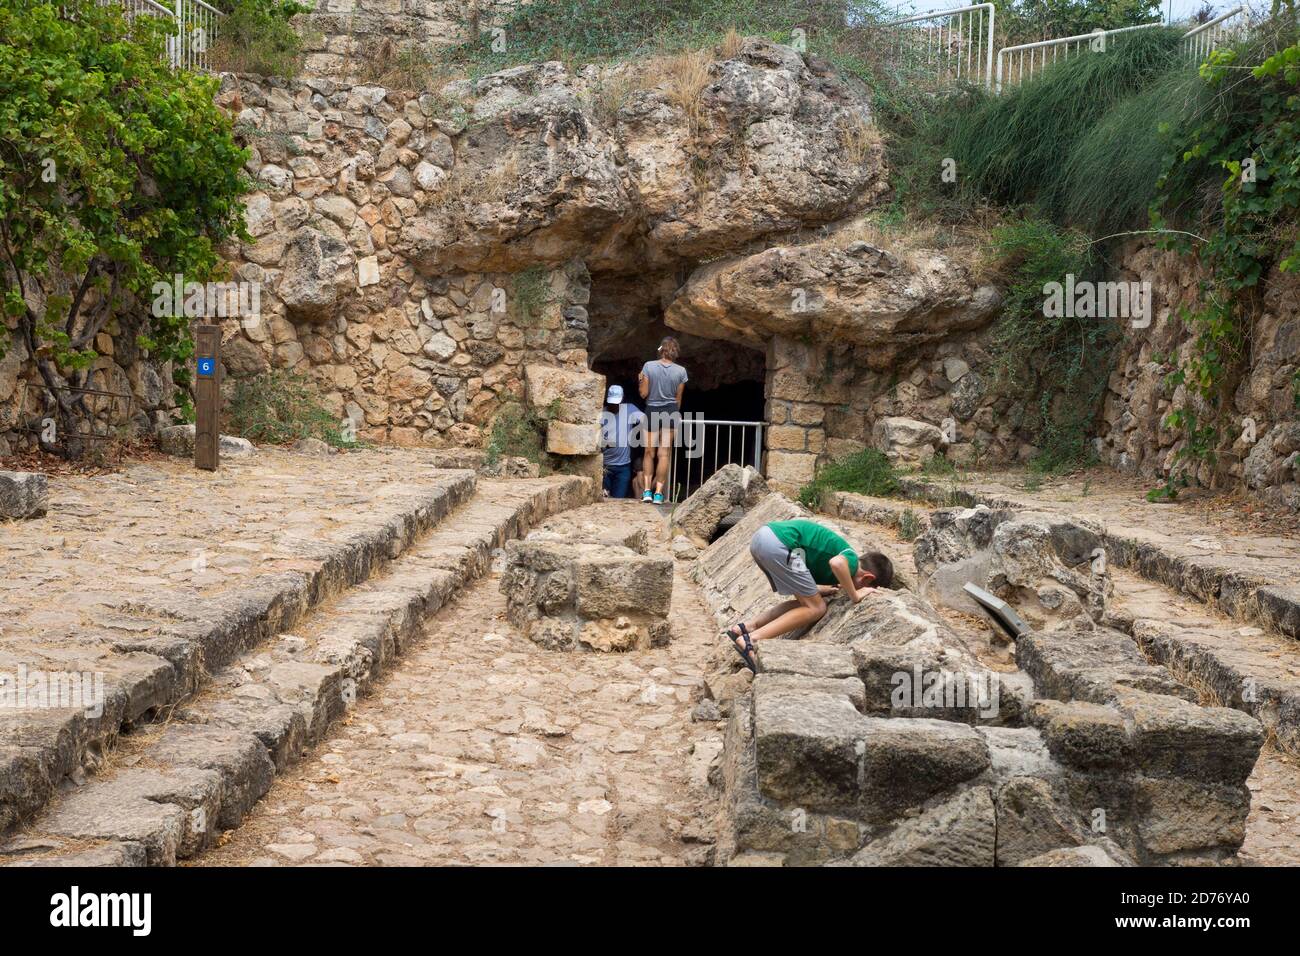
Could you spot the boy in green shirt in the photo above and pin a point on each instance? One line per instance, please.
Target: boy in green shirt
(809, 561)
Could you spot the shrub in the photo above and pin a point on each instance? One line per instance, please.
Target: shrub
(518, 432)
(866, 472)
(256, 36)
(116, 173)
(1056, 365)
(1016, 148)
(280, 407)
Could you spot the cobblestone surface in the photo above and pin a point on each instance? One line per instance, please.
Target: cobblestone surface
(1228, 530)
(482, 748)
(165, 529)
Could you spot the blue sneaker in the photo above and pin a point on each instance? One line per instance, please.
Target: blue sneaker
(646, 496)
(659, 499)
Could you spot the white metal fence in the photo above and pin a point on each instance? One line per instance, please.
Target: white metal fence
(195, 28)
(704, 446)
(959, 44)
(956, 44)
(1018, 63)
(1199, 42)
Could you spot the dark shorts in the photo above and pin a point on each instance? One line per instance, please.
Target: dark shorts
(661, 417)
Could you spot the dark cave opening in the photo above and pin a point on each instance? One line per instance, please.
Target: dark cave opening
(726, 380)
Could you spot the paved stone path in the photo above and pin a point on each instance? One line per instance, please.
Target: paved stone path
(481, 748)
(1230, 530)
(162, 528)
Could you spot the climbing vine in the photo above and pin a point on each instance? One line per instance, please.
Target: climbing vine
(1247, 143)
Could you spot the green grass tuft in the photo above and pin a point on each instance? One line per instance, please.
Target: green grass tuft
(867, 472)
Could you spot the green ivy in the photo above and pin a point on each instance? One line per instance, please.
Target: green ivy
(1245, 147)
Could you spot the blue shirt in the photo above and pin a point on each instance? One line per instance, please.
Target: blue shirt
(619, 432)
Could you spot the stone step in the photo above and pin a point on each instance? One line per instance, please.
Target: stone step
(173, 787)
(186, 638)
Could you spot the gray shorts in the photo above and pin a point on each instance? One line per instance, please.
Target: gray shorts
(785, 569)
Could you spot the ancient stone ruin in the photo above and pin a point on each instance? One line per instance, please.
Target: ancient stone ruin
(881, 739)
(588, 593)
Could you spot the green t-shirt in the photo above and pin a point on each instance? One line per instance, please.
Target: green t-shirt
(819, 545)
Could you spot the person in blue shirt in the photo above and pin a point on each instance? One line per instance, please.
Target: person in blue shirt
(622, 427)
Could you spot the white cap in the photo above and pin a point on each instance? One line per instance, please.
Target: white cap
(615, 395)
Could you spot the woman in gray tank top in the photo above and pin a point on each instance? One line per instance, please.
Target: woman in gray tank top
(661, 382)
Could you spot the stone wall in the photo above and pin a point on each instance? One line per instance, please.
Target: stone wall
(825, 402)
(1132, 435)
(411, 359)
(347, 39)
(142, 393)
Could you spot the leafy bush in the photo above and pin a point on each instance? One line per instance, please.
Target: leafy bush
(866, 472)
(256, 36)
(1233, 180)
(278, 407)
(116, 172)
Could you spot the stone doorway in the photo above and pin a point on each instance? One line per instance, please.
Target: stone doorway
(726, 380)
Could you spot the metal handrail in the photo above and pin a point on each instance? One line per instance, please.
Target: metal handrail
(1203, 39)
(196, 28)
(1062, 44)
(981, 48)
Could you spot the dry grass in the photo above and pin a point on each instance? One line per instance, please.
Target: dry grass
(684, 77)
(731, 43)
(396, 67)
(462, 191)
(616, 86)
(860, 140)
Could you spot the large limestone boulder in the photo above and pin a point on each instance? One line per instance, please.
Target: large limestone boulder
(565, 394)
(309, 277)
(1050, 568)
(653, 162)
(838, 289)
(567, 593)
(906, 441)
(730, 487)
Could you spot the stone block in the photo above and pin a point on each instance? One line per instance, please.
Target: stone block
(906, 440)
(1190, 816)
(609, 584)
(573, 396)
(700, 515)
(961, 831)
(565, 438)
(23, 494)
(1171, 737)
(789, 471)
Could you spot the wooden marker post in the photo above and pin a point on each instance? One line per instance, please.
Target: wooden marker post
(207, 397)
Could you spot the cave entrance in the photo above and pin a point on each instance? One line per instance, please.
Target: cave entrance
(723, 404)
